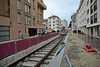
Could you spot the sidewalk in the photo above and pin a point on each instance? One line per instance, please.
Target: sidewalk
(77, 55)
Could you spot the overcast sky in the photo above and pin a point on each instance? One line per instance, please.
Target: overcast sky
(62, 8)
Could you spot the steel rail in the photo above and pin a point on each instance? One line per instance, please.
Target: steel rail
(45, 57)
(12, 64)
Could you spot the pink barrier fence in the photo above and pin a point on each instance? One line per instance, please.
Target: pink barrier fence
(34, 41)
(22, 44)
(13, 47)
(7, 49)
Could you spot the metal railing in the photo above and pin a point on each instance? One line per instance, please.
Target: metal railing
(90, 40)
(9, 48)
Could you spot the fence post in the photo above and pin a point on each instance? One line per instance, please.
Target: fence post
(88, 39)
(15, 47)
(29, 42)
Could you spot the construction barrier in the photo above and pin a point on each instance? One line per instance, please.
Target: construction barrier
(7, 49)
(90, 40)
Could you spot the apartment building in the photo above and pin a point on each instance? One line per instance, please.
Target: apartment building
(82, 14)
(64, 24)
(74, 21)
(87, 17)
(54, 23)
(93, 17)
(20, 18)
(45, 22)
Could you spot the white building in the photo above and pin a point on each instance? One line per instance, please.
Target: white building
(54, 23)
(82, 14)
(87, 17)
(64, 24)
(93, 17)
(74, 22)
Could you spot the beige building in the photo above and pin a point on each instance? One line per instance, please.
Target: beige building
(64, 24)
(54, 23)
(20, 18)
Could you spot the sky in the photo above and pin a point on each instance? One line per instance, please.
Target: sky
(62, 8)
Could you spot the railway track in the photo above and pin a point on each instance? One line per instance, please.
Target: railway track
(41, 57)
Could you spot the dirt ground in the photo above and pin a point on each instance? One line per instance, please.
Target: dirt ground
(77, 55)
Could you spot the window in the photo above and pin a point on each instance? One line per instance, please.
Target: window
(25, 8)
(91, 1)
(18, 4)
(95, 6)
(53, 21)
(87, 2)
(91, 9)
(33, 21)
(33, 12)
(95, 18)
(98, 31)
(37, 15)
(40, 16)
(91, 19)
(88, 20)
(4, 33)
(91, 30)
(87, 11)
(29, 9)
(29, 1)
(53, 18)
(38, 22)
(26, 19)
(9, 7)
(33, 2)
(18, 18)
(29, 21)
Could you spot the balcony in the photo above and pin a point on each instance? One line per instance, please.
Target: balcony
(42, 4)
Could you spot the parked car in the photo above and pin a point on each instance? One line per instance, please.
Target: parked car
(45, 33)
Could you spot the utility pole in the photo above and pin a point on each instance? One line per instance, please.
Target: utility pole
(72, 27)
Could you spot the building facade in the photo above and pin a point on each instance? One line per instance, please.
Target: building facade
(54, 23)
(64, 24)
(20, 18)
(93, 15)
(87, 17)
(74, 22)
(82, 14)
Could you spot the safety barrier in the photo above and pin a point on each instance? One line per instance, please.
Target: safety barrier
(7, 49)
(90, 40)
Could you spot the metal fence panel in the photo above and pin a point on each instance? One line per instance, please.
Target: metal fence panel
(7, 49)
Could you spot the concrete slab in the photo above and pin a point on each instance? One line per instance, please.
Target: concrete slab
(28, 64)
(39, 55)
(45, 50)
(35, 59)
(2, 63)
(41, 52)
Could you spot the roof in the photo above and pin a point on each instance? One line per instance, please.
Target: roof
(54, 16)
(45, 19)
